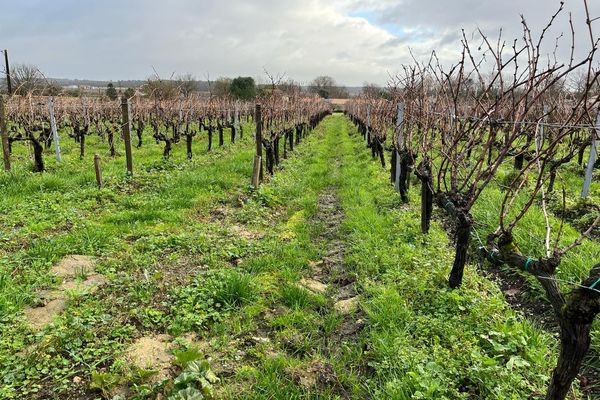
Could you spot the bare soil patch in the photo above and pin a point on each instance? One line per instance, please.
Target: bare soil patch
(151, 353)
(73, 265)
(77, 273)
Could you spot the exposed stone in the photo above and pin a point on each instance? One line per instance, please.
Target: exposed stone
(348, 306)
(260, 339)
(53, 302)
(313, 285)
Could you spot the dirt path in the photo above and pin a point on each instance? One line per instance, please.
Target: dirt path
(330, 270)
(329, 277)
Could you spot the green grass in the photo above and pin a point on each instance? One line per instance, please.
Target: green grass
(176, 265)
(296, 297)
(50, 215)
(425, 340)
(235, 289)
(420, 340)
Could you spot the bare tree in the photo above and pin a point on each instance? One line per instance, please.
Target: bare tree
(160, 89)
(327, 88)
(27, 78)
(220, 87)
(187, 84)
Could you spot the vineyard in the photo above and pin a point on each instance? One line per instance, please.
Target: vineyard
(436, 240)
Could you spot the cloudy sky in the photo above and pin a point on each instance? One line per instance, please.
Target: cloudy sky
(354, 41)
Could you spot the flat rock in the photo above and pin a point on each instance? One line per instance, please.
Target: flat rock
(348, 306)
(313, 285)
(74, 265)
(318, 268)
(151, 353)
(39, 317)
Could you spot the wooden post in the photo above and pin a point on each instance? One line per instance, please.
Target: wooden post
(126, 111)
(592, 159)
(53, 128)
(399, 144)
(4, 135)
(8, 80)
(256, 172)
(258, 119)
(452, 112)
(98, 168)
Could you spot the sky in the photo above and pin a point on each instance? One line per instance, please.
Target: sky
(354, 41)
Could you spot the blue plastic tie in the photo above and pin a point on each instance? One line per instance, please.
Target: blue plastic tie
(529, 260)
(595, 283)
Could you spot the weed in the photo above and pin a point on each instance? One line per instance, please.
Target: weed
(296, 297)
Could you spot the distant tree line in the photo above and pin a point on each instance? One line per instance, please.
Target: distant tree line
(327, 88)
(27, 79)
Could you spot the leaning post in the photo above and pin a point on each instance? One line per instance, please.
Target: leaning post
(259, 138)
(236, 121)
(8, 77)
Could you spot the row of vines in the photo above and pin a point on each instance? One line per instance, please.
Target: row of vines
(41, 123)
(522, 129)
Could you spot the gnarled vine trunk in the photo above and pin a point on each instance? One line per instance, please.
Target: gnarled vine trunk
(424, 175)
(463, 237)
(210, 135)
(188, 143)
(38, 155)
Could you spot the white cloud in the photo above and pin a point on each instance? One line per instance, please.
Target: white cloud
(115, 39)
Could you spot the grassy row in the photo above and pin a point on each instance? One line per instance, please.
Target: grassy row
(177, 264)
(424, 340)
(130, 224)
(46, 216)
(152, 239)
(34, 203)
(420, 340)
